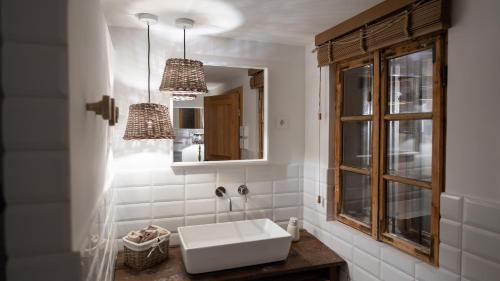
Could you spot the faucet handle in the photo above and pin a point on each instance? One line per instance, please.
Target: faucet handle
(220, 191)
(243, 190)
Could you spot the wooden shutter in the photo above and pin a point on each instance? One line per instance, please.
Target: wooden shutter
(257, 80)
(416, 19)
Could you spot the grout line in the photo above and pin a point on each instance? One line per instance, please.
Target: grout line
(462, 222)
(217, 203)
(185, 197)
(286, 193)
(245, 202)
(272, 200)
(151, 197)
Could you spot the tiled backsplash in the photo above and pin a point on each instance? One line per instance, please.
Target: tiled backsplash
(469, 234)
(186, 196)
(98, 251)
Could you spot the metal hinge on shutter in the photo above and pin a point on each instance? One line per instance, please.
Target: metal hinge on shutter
(444, 75)
(433, 53)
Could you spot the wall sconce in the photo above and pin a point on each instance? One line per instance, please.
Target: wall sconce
(105, 107)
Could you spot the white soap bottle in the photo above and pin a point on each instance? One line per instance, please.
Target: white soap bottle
(293, 228)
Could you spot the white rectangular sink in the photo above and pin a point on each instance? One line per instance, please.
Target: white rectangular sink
(213, 247)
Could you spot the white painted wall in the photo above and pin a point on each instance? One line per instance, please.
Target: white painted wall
(473, 132)
(470, 207)
(90, 68)
(90, 77)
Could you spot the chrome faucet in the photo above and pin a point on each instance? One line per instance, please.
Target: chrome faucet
(243, 191)
(221, 193)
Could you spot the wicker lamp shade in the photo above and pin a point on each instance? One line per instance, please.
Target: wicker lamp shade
(184, 77)
(148, 121)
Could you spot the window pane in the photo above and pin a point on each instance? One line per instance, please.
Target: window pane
(356, 196)
(409, 212)
(357, 143)
(410, 149)
(357, 91)
(411, 83)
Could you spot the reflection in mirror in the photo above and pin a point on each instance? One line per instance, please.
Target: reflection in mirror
(225, 124)
(188, 118)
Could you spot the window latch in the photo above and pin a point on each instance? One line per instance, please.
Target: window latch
(444, 75)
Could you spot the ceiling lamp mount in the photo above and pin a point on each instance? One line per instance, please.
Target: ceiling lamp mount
(184, 23)
(148, 120)
(146, 18)
(184, 78)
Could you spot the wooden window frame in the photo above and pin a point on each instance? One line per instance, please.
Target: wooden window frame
(380, 117)
(339, 167)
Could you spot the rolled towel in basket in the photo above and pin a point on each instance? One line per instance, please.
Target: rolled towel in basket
(146, 234)
(135, 236)
(151, 250)
(150, 234)
(161, 230)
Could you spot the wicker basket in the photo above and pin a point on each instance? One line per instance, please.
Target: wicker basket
(147, 254)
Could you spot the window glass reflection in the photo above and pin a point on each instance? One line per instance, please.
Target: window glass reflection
(357, 84)
(357, 143)
(356, 196)
(409, 212)
(410, 149)
(410, 83)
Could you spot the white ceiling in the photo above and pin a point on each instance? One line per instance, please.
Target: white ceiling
(278, 21)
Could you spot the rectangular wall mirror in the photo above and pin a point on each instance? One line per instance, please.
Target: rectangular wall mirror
(226, 124)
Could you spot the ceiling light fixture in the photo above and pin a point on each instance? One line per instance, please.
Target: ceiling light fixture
(148, 120)
(184, 78)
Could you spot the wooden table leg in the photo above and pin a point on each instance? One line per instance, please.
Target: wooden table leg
(334, 273)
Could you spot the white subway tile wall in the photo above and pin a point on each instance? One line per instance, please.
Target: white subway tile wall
(98, 251)
(35, 134)
(202, 219)
(389, 273)
(173, 198)
(46, 168)
(47, 217)
(469, 236)
(46, 26)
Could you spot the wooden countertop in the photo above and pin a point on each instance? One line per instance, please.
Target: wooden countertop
(306, 255)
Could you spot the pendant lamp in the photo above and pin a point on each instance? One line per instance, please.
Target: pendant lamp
(184, 78)
(148, 120)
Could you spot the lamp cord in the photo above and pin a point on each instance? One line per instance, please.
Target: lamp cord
(149, 68)
(318, 200)
(184, 43)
